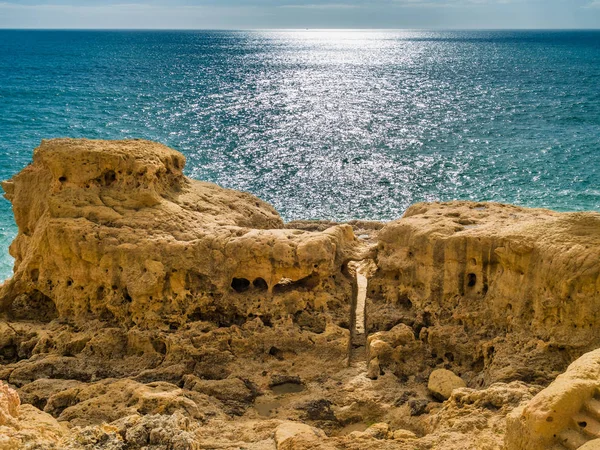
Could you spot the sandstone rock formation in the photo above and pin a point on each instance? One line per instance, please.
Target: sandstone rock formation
(495, 292)
(24, 426)
(115, 231)
(564, 415)
(148, 310)
(442, 382)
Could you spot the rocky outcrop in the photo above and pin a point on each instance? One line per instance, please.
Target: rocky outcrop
(495, 292)
(149, 310)
(24, 426)
(564, 415)
(114, 231)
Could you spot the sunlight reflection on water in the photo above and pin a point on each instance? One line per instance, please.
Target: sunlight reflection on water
(323, 124)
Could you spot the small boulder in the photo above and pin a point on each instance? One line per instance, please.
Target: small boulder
(373, 369)
(399, 435)
(378, 431)
(442, 382)
(418, 407)
(296, 435)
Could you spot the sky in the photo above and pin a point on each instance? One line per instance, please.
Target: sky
(261, 14)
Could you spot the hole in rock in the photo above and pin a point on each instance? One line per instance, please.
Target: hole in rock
(267, 320)
(288, 388)
(219, 316)
(195, 316)
(33, 306)
(478, 364)
(62, 179)
(260, 283)
(404, 301)
(471, 280)
(107, 316)
(159, 346)
(287, 284)
(582, 424)
(108, 178)
(490, 406)
(100, 293)
(278, 354)
(35, 275)
(126, 296)
(9, 353)
(427, 319)
(240, 284)
(69, 282)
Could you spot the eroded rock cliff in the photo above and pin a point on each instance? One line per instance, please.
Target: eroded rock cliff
(148, 310)
(114, 231)
(497, 292)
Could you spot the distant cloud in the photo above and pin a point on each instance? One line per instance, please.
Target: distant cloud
(322, 6)
(265, 14)
(456, 3)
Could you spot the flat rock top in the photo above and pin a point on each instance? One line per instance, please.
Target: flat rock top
(136, 148)
(498, 219)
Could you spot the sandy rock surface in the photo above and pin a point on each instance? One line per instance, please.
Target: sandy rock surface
(566, 414)
(442, 382)
(148, 310)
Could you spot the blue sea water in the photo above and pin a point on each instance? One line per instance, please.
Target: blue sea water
(323, 124)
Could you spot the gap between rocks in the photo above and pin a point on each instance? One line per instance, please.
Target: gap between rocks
(361, 270)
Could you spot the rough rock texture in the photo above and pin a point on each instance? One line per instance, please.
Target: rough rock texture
(591, 445)
(115, 231)
(442, 382)
(494, 292)
(151, 311)
(24, 426)
(564, 415)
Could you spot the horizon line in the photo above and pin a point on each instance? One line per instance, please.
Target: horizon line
(304, 29)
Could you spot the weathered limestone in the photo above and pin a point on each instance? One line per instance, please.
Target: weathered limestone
(9, 404)
(24, 426)
(115, 231)
(442, 382)
(564, 415)
(591, 445)
(148, 310)
(496, 292)
(294, 435)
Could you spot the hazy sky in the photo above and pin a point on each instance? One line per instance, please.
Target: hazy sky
(234, 14)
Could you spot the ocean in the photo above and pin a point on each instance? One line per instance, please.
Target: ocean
(322, 124)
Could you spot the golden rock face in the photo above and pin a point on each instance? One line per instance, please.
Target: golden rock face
(564, 415)
(158, 310)
(114, 231)
(512, 292)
